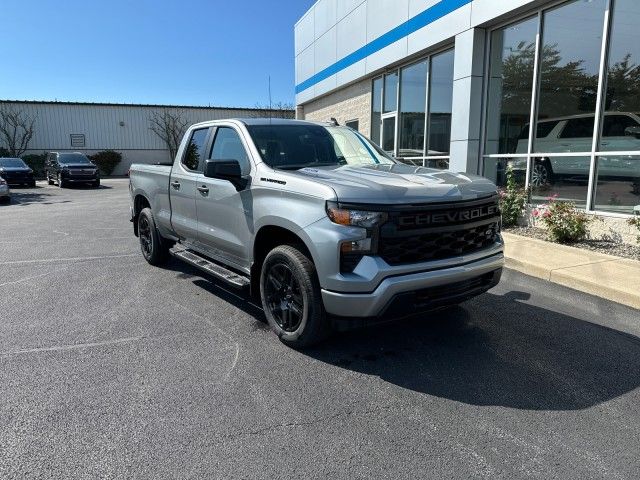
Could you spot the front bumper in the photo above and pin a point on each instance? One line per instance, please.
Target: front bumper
(466, 280)
(20, 179)
(81, 178)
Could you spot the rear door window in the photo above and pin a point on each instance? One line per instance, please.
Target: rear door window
(193, 158)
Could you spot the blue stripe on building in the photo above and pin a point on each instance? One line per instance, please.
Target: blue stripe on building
(430, 15)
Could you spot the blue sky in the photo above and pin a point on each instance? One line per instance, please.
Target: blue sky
(192, 52)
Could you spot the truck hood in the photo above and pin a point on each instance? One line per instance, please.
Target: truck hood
(398, 184)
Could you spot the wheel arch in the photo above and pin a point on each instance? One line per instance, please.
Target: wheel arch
(266, 239)
(139, 202)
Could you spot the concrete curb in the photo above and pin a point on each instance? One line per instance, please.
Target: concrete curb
(605, 276)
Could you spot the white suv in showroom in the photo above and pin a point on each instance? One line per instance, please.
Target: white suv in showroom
(620, 132)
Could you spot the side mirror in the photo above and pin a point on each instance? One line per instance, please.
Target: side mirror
(632, 131)
(225, 170)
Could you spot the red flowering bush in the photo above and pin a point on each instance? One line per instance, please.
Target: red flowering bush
(564, 222)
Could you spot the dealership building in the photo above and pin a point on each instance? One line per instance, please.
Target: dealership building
(92, 127)
(549, 87)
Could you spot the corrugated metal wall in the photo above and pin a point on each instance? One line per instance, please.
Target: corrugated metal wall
(100, 124)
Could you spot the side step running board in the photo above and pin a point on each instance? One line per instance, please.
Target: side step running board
(216, 270)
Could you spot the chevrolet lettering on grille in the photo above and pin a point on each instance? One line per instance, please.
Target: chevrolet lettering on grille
(448, 217)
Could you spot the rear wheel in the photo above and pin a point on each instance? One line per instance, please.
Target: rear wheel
(291, 297)
(155, 249)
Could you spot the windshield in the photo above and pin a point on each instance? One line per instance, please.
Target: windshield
(73, 158)
(298, 146)
(12, 163)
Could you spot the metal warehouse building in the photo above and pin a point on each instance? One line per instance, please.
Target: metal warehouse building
(550, 87)
(91, 127)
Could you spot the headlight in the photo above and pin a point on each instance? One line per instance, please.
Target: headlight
(354, 218)
(2, 181)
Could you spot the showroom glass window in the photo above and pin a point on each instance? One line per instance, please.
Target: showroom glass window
(413, 103)
(440, 107)
(618, 175)
(570, 54)
(417, 128)
(376, 110)
(511, 80)
(586, 146)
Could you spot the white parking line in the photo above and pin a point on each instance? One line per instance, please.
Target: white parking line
(70, 259)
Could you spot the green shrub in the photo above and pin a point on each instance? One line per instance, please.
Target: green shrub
(512, 200)
(106, 161)
(565, 223)
(35, 163)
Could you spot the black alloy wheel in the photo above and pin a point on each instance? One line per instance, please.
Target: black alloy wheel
(146, 238)
(284, 297)
(291, 297)
(154, 247)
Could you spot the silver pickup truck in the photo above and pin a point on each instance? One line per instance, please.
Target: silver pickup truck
(319, 223)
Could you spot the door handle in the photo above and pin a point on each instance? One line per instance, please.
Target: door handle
(175, 184)
(203, 189)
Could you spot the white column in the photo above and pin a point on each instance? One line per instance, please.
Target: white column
(467, 100)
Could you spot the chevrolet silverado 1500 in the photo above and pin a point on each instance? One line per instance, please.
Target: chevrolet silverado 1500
(318, 223)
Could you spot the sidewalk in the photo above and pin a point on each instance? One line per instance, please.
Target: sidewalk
(606, 276)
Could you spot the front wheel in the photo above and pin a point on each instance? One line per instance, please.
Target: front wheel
(154, 248)
(291, 298)
(96, 184)
(541, 174)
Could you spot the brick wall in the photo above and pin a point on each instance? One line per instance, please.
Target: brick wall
(350, 103)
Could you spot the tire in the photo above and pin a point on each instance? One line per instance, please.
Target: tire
(541, 174)
(61, 182)
(33, 184)
(155, 249)
(96, 184)
(291, 298)
(49, 181)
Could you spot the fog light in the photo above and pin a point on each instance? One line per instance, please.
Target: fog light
(363, 245)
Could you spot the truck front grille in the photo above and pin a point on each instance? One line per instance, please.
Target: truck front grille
(440, 231)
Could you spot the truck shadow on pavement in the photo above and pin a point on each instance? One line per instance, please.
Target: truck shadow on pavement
(494, 350)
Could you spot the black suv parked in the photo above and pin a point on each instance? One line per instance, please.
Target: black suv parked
(67, 168)
(16, 172)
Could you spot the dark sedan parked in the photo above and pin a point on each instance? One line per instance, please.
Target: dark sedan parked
(68, 168)
(16, 172)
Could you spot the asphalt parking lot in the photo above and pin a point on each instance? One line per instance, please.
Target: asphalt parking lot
(112, 368)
